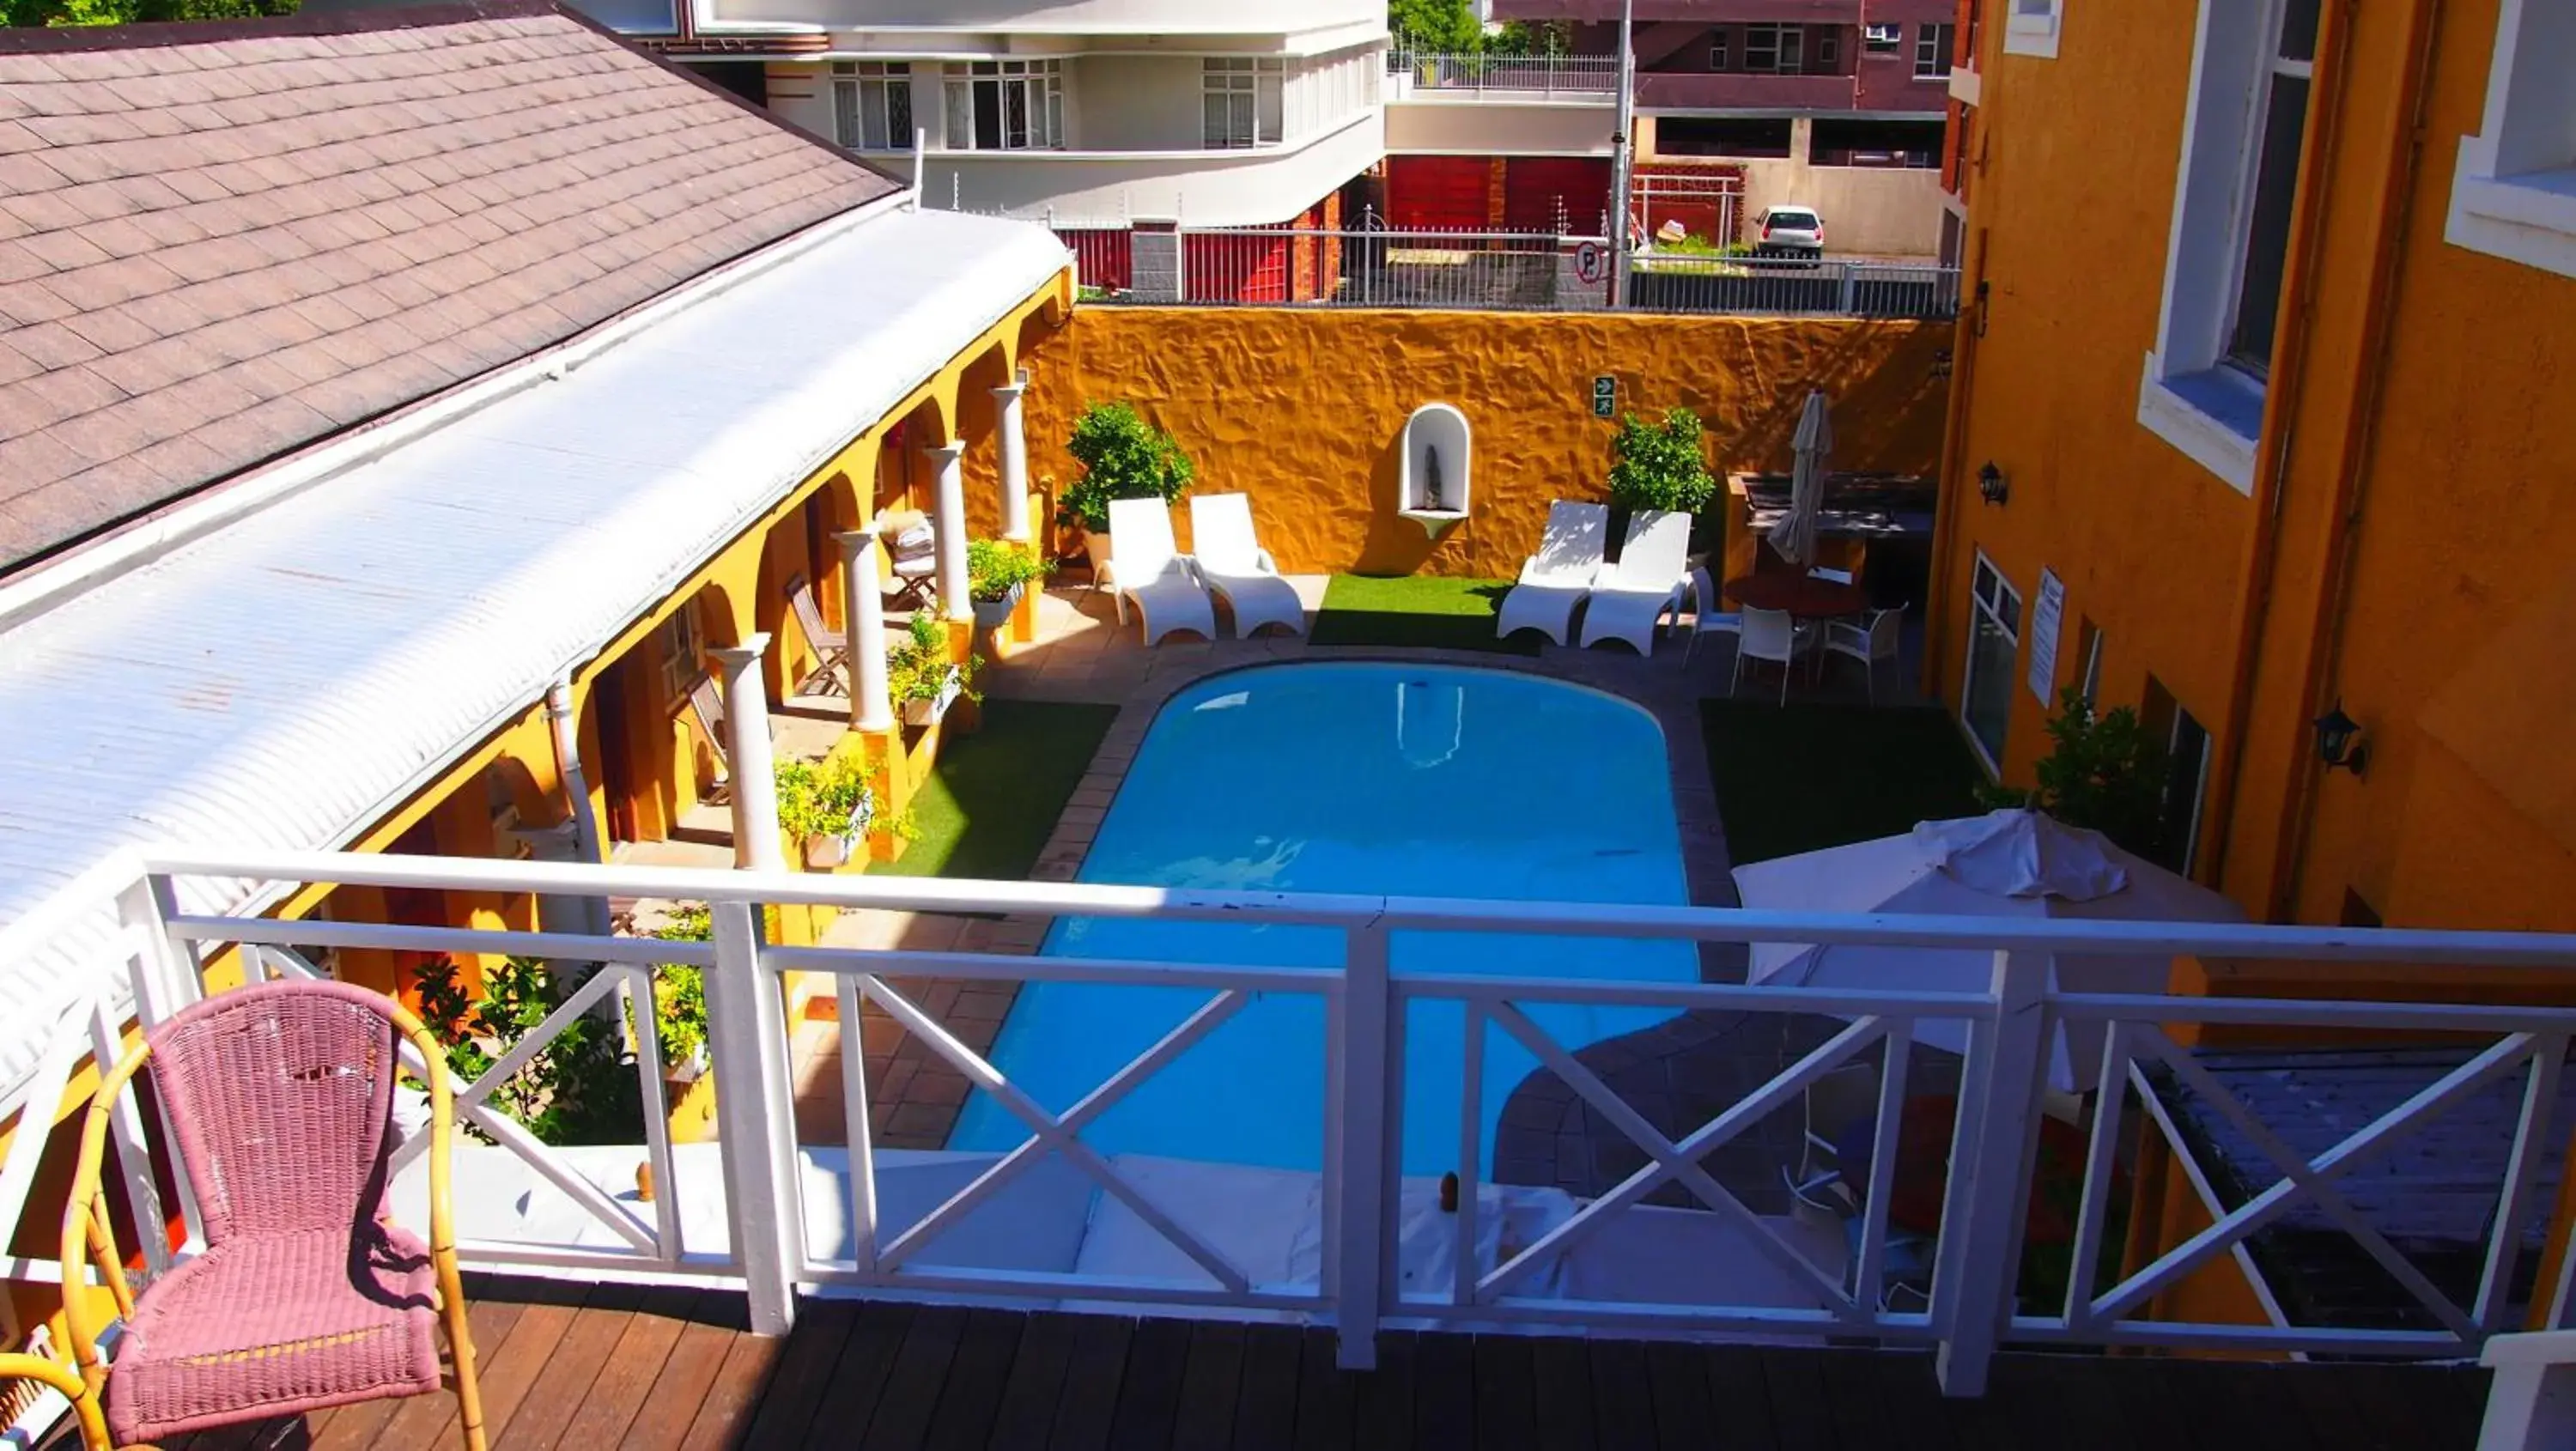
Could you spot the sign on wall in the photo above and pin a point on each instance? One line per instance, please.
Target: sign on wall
(1605, 396)
(2046, 614)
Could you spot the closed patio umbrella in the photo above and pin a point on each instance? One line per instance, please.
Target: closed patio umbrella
(2011, 863)
(1795, 536)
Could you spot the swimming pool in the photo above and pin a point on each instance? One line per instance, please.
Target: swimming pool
(1376, 778)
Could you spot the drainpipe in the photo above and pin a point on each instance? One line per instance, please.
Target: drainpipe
(2272, 447)
(2362, 427)
(1623, 152)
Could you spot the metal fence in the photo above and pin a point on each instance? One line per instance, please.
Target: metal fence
(1466, 75)
(1979, 1288)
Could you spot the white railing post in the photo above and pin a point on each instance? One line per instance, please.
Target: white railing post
(2531, 1402)
(167, 973)
(1974, 1273)
(1364, 1201)
(755, 1115)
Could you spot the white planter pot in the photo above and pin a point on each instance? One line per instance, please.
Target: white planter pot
(1095, 542)
(688, 1071)
(825, 853)
(920, 712)
(993, 614)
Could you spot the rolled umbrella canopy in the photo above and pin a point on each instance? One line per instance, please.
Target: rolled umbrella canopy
(1795, 536)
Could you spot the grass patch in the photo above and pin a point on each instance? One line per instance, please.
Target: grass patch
(994, 798)
(1416, 610)
(1804, 777)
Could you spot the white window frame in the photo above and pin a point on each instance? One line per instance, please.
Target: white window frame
(1883, 37)
(2188, 393)
(1258, 81)
(2199, 784)
(1829, 46)
(858, 86)
(1933, 42)
(1041, 86)
(2513, 192)
(2092, 676)
(2031, 26)
(1788, 47)
(1719, 57)
(1979, 603)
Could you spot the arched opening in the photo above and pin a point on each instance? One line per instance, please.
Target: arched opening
(978, 424)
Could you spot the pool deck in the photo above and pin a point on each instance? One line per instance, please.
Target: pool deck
(1678, 1074)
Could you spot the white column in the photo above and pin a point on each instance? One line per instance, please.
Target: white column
(755, 784)
(863, 612)
(948, 517)
(1015, 459)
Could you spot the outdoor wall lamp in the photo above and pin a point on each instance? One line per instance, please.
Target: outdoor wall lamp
(1991, 484)
(2338, 741)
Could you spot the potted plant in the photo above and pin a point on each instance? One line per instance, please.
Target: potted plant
(680, 999)
(1122, 457)
(1660, 464)
(997, 575)
(825, 807)
(921, 678)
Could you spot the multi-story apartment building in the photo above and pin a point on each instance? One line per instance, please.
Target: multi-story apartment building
(1836, 104)
(1245, 112)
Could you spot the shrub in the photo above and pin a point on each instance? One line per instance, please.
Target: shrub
(1660, 465)
(578, 1089)
(2105, 773)
(818, 798)
(995, 567)
(917, 669)
(1122, 457)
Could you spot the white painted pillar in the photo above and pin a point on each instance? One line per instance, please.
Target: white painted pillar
(863, 612)
(1015, 459)
(747, 750)
(948, 517)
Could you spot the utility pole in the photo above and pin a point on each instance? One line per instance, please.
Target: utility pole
(1623, 151)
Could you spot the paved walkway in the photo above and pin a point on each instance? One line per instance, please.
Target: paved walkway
(1678, 1074)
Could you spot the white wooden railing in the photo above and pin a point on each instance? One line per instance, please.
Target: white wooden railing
(154, 965)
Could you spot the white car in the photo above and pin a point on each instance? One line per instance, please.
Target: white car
(1790, 231)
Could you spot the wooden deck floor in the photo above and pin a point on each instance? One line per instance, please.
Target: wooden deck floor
(660, 1369)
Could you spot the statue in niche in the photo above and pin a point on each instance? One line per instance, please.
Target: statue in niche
(1431, 478)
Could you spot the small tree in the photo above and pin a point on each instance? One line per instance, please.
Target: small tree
(2104, 773)
(1447, 27)
(1122, 457)
(1660, 465)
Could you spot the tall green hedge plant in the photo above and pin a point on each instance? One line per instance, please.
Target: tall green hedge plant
(1661, 464)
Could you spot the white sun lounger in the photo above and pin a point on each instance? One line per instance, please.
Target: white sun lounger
(1153, 575)
(1554, 580)
(1233, 564)
(1631, 596)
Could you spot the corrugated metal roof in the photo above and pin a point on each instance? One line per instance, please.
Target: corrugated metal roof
(289, 679)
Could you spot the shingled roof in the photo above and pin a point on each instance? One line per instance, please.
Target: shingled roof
(221, 242)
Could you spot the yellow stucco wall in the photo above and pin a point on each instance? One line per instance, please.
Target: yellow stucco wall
(2403, 547)
(1304, 410)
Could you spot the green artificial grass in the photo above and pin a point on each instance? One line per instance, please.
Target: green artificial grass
(995, 795)
(1416, 610)
(1799, 778)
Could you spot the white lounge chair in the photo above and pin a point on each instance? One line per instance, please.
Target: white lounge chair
(1153, 574)
(1233, 564)
(1631, 597)
(1555, 580)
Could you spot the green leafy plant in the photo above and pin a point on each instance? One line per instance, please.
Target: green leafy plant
(995, 567)
(1122, 457)
(818, 798)
(578, 1089)
(1660, 464)
(1448, 26)
(917, 669)
(680, 992)
(1532, 37)
(2103, 772)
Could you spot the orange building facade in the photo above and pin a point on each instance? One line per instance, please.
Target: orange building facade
(2258, 415)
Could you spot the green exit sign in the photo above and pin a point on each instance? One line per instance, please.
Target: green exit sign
(1605, 396)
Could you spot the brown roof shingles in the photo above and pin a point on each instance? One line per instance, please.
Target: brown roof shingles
(219, 243)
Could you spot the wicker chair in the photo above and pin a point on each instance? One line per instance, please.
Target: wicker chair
(279, 1100)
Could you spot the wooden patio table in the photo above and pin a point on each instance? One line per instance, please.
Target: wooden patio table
(1803, 596)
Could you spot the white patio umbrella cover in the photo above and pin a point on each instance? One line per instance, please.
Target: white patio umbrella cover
(2011, 863)
(1795, 535)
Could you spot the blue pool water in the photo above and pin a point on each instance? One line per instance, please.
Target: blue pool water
(1368, 778)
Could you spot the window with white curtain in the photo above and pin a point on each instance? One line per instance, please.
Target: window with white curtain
(872, 105)
(1005, 105)
(1242, 100)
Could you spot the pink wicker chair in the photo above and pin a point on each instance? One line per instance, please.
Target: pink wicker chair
(279, 1098)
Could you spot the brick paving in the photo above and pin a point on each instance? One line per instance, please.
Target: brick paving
(1677, 1074)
